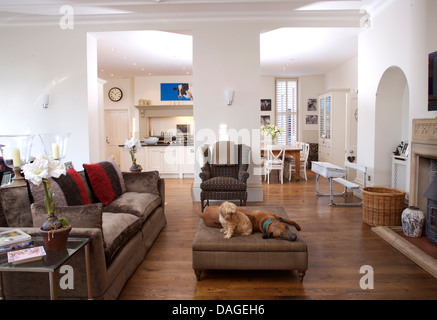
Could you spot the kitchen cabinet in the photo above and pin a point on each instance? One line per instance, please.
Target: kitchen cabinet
(171, 161)
(186, 161)
(163, 159)
(332, 119)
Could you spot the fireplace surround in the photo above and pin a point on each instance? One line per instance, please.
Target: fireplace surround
(423, 159)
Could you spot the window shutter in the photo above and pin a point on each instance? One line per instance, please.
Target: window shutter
(286, 110)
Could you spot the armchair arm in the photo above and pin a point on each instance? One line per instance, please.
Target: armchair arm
(206, 172)
(243, 176)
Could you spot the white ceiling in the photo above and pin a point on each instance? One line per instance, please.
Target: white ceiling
(141, 53)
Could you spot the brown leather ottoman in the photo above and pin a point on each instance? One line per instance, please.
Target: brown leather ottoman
(212, 251)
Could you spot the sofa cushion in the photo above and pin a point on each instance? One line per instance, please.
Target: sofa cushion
(142, 181)
(119, 174)
(223, 184)
(69, 190)
(136, 203)
(85, 216)
(118, 228)
(16, 206)
(80, 184)
(104, 181)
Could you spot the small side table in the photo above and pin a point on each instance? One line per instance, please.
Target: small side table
(330, 171)
(50, 263)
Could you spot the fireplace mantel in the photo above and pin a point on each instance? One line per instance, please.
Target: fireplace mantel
(423, 145)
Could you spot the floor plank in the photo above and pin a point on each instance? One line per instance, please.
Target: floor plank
(339, 244)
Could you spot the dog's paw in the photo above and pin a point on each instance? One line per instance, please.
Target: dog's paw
(228, 236)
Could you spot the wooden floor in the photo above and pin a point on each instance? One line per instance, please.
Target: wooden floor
(339, 244)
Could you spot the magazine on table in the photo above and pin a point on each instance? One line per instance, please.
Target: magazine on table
(26, 255)
(11, 237)
(16, 246)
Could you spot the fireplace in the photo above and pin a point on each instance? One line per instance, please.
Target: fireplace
(431, 213)
(423, 176)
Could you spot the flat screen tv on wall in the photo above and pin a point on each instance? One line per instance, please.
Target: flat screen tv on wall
(432, 82)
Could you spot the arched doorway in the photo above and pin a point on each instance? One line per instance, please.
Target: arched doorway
(391, 121)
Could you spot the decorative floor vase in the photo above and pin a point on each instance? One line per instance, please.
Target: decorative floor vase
(55, 239)
(413, 220)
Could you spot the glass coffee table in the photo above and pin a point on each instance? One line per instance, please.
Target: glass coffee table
(50, 263)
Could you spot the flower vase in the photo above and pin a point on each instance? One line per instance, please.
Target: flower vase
(135, 168)
(271, 140)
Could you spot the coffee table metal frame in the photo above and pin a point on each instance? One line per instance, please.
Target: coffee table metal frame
(73, 246)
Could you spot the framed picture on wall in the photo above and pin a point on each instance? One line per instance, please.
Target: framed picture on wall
(266, 104)
(312, 104)
(312, 119)
(176, 92)
(265, 120)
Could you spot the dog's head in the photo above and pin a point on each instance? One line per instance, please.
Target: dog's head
(279, 230)
(227, 210)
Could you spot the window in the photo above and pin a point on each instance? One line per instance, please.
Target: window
(286, 110)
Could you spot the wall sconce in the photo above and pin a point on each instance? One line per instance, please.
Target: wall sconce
(229, 96)
(45, 100)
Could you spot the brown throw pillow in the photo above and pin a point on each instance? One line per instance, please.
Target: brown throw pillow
(145, 182)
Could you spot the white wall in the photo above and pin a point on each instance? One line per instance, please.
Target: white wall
(45, 60)
(343, 76)
(309, 88)
(234, 50)
(380, 48)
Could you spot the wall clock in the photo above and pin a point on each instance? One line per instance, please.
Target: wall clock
(115, 94)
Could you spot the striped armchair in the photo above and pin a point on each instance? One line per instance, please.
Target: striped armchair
(224, 172)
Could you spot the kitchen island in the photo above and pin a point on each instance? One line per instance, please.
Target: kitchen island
(171, 160)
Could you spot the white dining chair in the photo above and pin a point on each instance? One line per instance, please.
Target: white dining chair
(303, 160)
(274, 161)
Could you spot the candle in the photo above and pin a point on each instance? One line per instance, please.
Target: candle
(16, 158)
(55, 151)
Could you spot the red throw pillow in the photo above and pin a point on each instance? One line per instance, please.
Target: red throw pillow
(104, 181)
(80, 185)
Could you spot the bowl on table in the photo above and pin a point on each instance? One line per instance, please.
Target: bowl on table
(151, 141)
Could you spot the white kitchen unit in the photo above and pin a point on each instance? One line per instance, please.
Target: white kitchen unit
(171, 161)
(163, 159)
(186, 161)
(332, 120)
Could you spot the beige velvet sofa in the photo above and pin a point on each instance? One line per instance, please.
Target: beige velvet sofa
(121, 233)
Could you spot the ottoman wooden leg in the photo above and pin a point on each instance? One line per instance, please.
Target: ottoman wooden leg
(198, 274)
(301, 275)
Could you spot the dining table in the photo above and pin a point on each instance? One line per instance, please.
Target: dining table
(293, 151)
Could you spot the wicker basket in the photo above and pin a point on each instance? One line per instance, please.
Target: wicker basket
(383, 206)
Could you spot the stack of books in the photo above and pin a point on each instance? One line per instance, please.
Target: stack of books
(18, 246)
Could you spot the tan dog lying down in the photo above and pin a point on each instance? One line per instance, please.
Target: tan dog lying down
(272, 225)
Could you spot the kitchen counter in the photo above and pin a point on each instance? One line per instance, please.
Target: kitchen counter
(171, 160)
(161, 144)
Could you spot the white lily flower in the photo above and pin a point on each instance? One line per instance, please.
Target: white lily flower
(41, 168)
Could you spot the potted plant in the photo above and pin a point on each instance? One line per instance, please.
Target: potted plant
(54, 230)
(133, 145)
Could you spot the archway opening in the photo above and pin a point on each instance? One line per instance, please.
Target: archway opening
(391, 121)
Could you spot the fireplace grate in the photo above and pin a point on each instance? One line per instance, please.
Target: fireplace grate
(431, 222)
